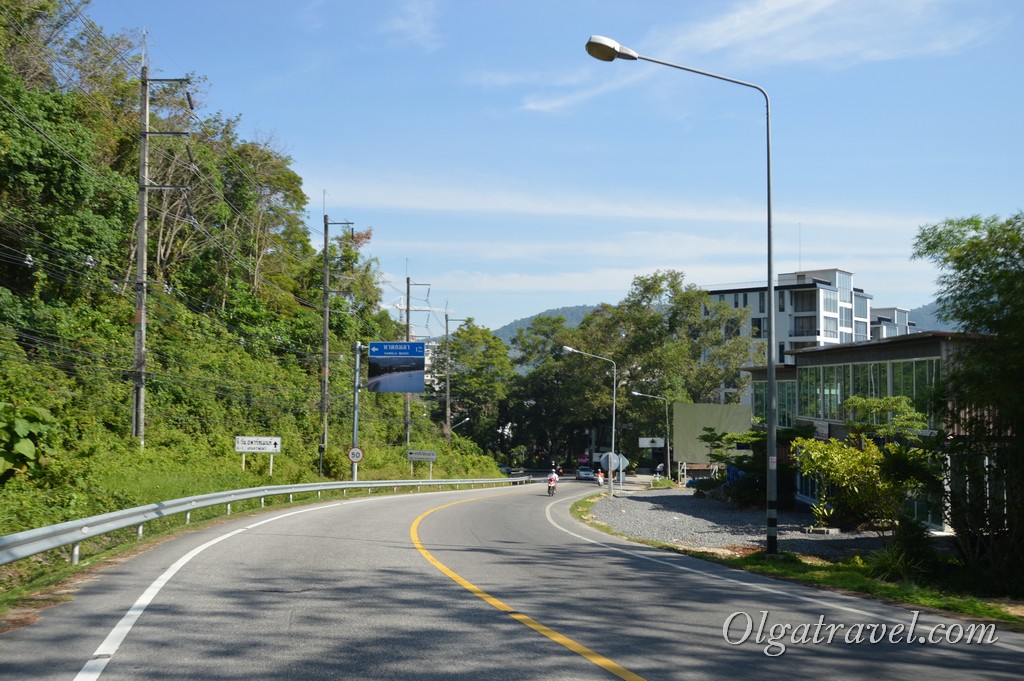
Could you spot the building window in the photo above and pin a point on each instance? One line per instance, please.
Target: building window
(805, 326)
(805, 301)
(757, 327)
(844, 282)
(846, 317)
(845, 337)
(786, 394)
(831, 327)
(808, 382)
(860, 307)
(870, 379)
(860, 331)
(916, 379)
(834, 390)
(745, 303)
(831, 301)
(760, 302)
(782, 301)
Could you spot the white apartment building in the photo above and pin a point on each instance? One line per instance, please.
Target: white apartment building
(887, 322)
(812, 308)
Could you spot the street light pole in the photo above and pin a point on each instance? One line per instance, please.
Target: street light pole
(668, 455)
(615, 387)
(606, 49)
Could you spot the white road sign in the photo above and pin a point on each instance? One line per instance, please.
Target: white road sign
(422, 455)
(249, 443)
(355, 455)
(650, 442)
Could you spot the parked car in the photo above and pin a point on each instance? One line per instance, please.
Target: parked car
(584, 473)
(505, 470)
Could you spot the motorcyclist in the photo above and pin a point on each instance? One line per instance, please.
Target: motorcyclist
(553, 479)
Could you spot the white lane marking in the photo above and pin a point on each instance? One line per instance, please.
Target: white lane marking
(761, 587)
(94, 667)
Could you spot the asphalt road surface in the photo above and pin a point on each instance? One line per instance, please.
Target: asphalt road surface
(482, 584)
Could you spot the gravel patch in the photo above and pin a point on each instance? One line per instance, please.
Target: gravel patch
(676, 516)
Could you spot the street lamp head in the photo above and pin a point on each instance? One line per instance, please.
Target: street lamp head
(566, 348)
(606, 49)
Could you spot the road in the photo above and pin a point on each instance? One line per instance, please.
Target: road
(479, 584)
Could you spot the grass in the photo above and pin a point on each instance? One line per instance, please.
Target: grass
(848, 576)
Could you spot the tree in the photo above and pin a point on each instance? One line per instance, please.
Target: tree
(480, 374)
(867, 478)
(548, 409)
(982, 266)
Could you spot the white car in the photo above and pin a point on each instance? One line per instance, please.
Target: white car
(584, 473)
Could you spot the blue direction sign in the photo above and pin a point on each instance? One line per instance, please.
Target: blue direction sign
(397, 367)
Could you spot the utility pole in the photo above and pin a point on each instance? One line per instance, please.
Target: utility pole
(355, 408)
(325, 361)
(408, 337)
(448, 379)
(141, 254)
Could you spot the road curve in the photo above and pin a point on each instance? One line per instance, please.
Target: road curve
(496, 584)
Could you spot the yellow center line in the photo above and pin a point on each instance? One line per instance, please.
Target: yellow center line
(598, 659)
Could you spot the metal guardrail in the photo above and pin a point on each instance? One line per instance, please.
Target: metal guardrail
(30, 542)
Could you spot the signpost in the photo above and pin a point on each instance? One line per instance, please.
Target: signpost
(252, 443)
(355, 455)
(423, 455)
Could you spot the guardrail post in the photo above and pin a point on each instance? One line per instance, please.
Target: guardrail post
(75, 552)
(290, 498)
(138, 531)
(188, 517)
(229, 509)
(262, 502)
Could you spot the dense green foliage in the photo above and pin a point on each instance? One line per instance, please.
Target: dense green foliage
(234, 322)
(982, 265)
(866, 479)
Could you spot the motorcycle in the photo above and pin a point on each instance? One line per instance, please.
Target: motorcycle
(551, 488)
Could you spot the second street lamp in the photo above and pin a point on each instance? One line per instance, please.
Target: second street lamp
(606, 49)
(668, 456)
(615, 387)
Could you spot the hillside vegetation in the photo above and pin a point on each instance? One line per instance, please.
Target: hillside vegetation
(233, 305)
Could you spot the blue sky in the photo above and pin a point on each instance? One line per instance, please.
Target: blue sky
(500, 164)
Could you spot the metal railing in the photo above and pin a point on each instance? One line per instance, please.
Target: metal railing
(73, 532)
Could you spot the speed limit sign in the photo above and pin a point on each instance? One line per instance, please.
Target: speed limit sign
(355, 455)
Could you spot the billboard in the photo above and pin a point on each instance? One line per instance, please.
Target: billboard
(396, 367)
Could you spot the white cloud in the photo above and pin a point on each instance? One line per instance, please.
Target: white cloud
(834, 33)
(841, 33)
(386, 191)
(416, 22)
